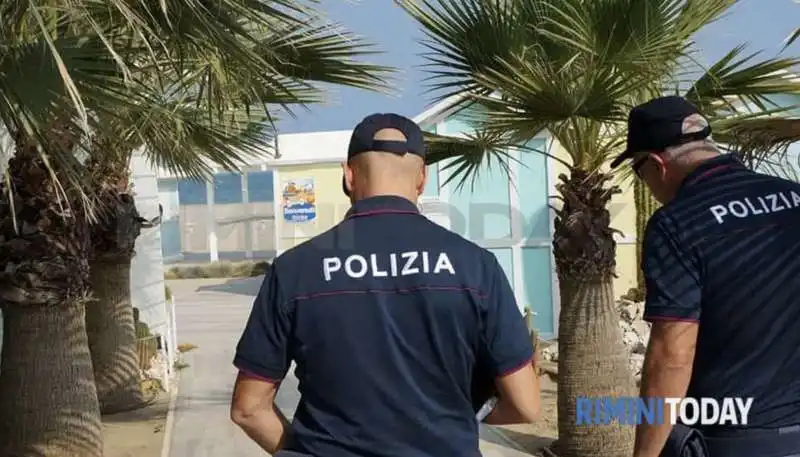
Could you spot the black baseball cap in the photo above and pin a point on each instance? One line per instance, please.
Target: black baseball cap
(363, 138)
(661, 123)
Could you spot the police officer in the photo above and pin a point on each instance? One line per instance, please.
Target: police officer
(721, 260)
(386, 316)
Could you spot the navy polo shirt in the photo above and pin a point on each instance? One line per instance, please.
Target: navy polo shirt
(726, 253)
(384, 315)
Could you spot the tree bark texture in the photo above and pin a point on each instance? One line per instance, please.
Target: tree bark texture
(592, 360)
(112, 338)
(109, 317)
(48, 400)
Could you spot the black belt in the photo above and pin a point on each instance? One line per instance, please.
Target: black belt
(761, 442)
(750, 432)
(745, 442)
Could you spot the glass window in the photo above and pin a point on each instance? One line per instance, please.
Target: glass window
(259, 186)
(192, 192)
(227, 188)
(432, 184)
(538, 288)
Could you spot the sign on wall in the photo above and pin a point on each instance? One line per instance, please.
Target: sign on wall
(298, 200)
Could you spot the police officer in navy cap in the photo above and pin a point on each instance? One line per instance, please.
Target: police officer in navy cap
(387, 317)
(721, 260)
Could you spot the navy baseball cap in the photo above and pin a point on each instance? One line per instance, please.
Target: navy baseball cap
(363, 138)
(661, 123)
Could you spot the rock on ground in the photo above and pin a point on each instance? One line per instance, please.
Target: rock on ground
(635, 334)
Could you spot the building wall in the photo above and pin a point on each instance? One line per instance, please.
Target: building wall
(147, 267)
(235, 211)
(331, 203)
(506, 211)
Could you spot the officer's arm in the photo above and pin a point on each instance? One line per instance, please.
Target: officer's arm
(673, 308)
(508, 345)
(262, 358)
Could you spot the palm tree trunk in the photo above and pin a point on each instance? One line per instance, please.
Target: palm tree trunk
(646, 205)
(592, 361)
(110, 323)
(112, 338)
(48, 400)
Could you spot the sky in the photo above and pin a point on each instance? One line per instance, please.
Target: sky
(762, 24)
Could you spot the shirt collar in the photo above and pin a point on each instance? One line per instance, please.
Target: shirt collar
(382, 204)
(710, 167)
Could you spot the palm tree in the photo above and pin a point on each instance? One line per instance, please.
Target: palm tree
(573, 68)
(299, 52)
(82, 86)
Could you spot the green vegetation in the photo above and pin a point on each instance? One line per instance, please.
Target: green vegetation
(218, 270)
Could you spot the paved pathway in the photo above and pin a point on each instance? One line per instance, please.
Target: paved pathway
(211, 314)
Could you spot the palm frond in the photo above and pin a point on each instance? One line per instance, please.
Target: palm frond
(792, 38)
(736, 83)
(465, 156)
(758, 140)
(195, 82)
(469, 155)
(557, 64)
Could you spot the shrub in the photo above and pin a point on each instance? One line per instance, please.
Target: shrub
(218, 270)
(146, 342)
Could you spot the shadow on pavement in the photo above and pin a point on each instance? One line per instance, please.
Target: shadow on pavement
(155, 410)
(519, 441)
(213, 398)
(238, 286)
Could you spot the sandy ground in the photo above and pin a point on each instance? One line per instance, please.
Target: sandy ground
(533, 437)
(137, 433)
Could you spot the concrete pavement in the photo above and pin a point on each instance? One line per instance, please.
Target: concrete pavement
(211, 314)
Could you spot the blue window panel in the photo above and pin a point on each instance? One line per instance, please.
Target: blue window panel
(506, 261)
(532, 184)
(432, 184)
(167, 185)
(227, 188)
(259, 186)
(192, 192)
(170, 238)
(537, 272)
(465, 121)
(480, 210)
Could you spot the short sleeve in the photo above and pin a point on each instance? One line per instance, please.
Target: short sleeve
(671, 275)
(507, 339)
(263, 349)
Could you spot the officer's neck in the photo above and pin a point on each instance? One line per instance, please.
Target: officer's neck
(409, 194)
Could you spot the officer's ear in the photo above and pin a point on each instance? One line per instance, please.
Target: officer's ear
(347, 171)
(423, 179)
(660, 163)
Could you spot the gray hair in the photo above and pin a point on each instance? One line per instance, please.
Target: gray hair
(690, 152)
